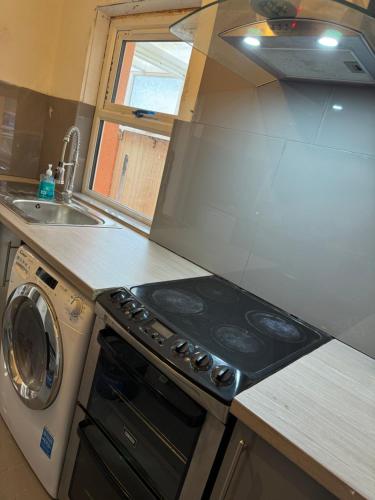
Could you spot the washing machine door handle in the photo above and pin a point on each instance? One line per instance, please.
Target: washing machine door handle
(32, 346)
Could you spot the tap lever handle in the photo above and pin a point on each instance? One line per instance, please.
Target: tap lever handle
(59, 173)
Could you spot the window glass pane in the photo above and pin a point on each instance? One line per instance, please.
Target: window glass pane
(151, 75)
(128, 167)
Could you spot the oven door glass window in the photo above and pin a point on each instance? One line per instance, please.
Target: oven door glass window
(31, 347)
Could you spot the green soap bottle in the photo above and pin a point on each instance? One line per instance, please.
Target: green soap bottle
(46, 189)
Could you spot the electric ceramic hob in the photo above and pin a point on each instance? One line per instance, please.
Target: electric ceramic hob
(222, 338)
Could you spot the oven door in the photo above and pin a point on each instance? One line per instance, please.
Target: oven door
(100, 470)
(150, 420)
(149, 414)
(32, 348)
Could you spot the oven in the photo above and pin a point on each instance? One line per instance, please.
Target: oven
(141, 431)
(165, 362)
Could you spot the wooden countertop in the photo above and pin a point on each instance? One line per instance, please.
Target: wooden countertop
(96, 258)
(320, 412)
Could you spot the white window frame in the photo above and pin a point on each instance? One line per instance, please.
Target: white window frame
(144, 27)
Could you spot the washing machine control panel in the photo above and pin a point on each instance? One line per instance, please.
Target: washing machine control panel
(23, 262)
(46, 278)
(76, 307)
(70, 307)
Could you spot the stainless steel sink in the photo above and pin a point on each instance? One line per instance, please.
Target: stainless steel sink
(47, 212)
(22, 200)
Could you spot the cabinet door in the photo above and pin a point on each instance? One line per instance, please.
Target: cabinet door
(252, 469)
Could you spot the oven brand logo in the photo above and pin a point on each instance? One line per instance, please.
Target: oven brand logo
(129, 436)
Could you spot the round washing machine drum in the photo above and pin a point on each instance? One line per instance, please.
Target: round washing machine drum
(32, 347)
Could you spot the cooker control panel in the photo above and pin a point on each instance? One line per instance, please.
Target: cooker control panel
(187, 357)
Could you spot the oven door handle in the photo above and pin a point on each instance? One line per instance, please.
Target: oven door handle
(147, 493)
(191, 420)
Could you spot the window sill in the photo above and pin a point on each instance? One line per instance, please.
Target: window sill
(119, 217)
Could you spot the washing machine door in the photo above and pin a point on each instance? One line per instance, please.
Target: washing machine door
(32, 347)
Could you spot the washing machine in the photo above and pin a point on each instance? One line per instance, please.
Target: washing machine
(45, 335)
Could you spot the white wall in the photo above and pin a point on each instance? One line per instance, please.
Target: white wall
(274, 189)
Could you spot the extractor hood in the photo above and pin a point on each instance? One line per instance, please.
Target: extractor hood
(316, 40)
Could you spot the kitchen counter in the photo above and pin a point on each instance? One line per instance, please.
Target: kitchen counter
(96, 258)
(320, 413)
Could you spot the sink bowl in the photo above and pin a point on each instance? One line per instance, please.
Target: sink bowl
(22, 199)
(50, 212)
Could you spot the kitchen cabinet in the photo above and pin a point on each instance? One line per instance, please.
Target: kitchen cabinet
(253, 469)
(9, 243)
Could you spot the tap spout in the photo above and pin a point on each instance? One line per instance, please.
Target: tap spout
(72, 134)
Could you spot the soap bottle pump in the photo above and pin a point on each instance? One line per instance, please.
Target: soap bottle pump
(46, 189)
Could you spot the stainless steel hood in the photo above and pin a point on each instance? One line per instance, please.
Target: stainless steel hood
(316, 40)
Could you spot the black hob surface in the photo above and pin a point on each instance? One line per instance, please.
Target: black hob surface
(214, 325)
(238, 327)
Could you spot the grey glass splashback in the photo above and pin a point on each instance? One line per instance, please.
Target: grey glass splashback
(275, 191)
(32, 126)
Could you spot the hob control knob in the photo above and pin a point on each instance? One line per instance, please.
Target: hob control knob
(182, 347)
(129, 307)
(140, 314)
(119, 297)
(201, 360)
(128, 300)
(222, 375)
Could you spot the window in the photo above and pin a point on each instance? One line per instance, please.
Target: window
(142, 84)
(151, 75)
(129, 167)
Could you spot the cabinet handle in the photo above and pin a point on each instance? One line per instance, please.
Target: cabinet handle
(233, 466)
(10, 247)
(5, 271)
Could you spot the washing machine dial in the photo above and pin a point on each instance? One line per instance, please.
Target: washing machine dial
(76, 307)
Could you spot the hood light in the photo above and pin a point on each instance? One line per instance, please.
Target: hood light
(328, 41)
(252, 41)
(330, 38)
